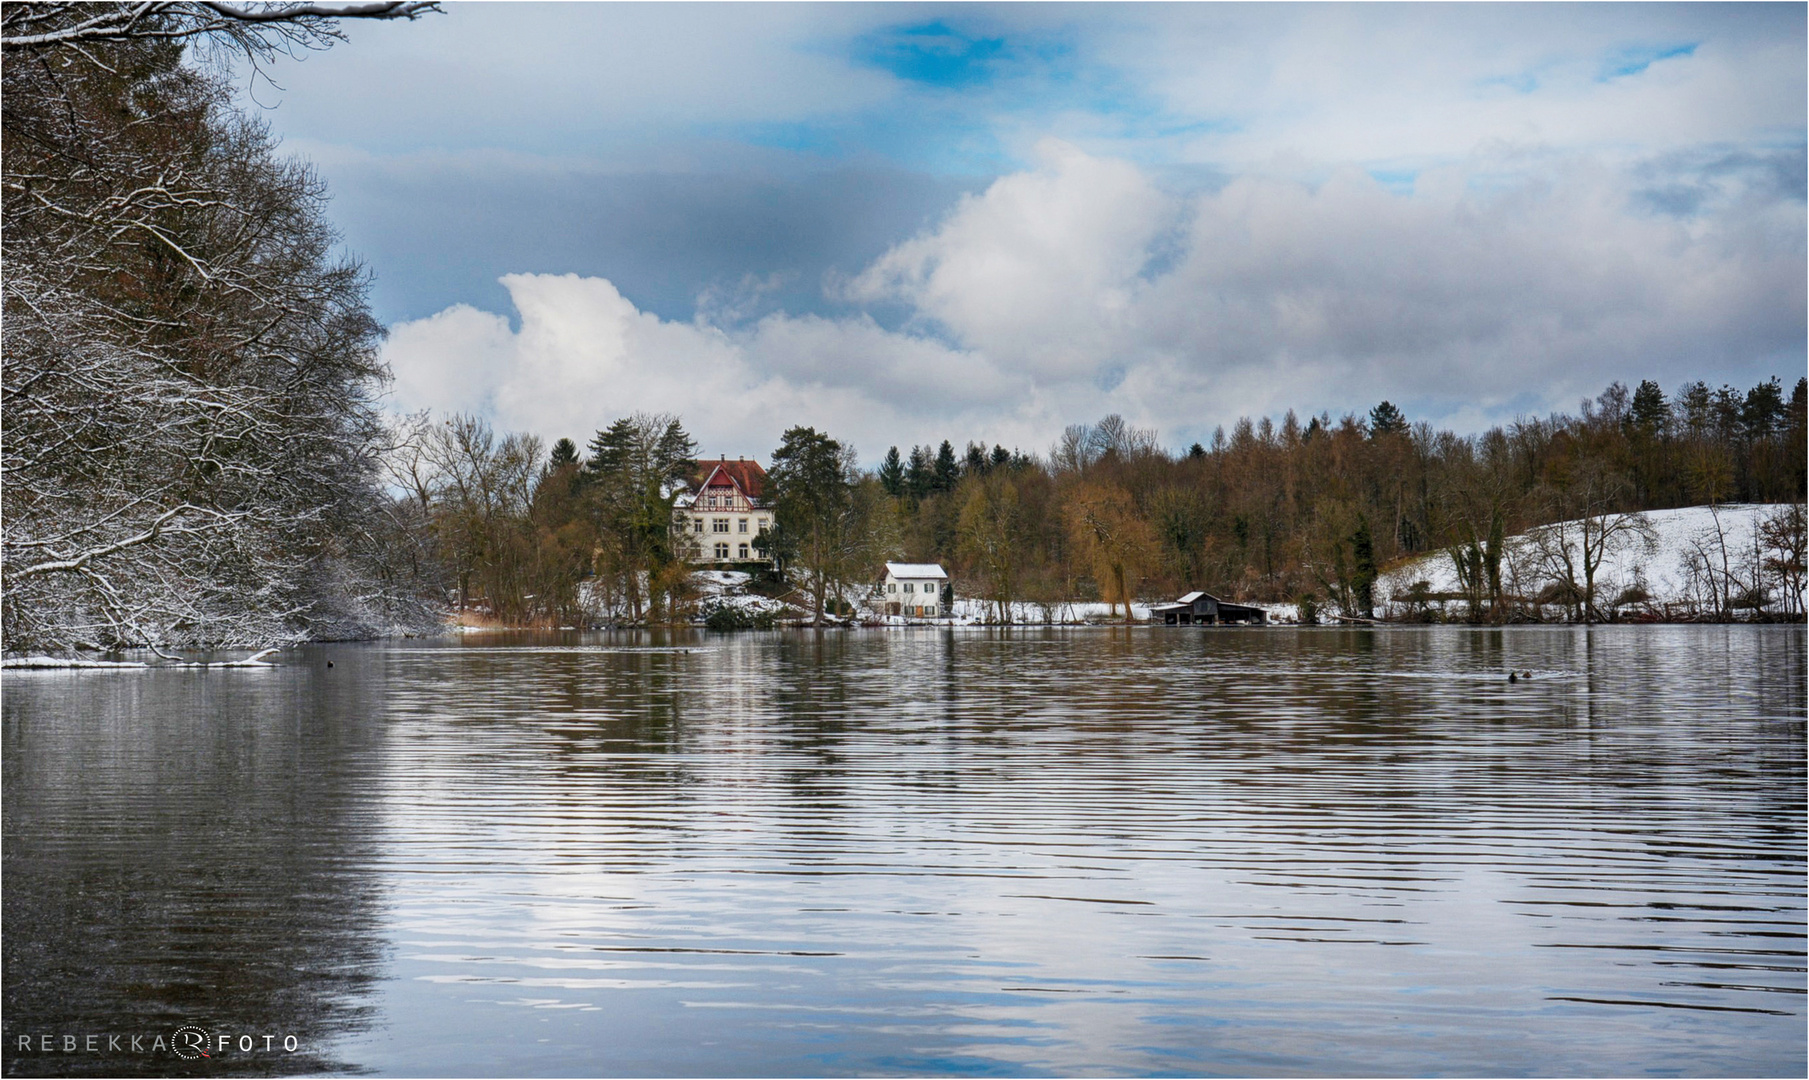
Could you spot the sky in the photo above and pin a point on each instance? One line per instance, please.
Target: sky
(904, 223)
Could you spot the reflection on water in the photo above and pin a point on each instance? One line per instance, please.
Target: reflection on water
(189, 847)
(1079, 851)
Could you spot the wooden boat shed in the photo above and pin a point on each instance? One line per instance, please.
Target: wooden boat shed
(1198, 608)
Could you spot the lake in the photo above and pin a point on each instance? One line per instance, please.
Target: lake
(1265, 852)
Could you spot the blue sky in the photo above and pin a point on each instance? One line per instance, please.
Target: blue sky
(979, 221)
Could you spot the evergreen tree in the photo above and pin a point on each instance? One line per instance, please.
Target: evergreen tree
(975, 462)
(638, 466)
(892, 474)
(1000, 457)
(565, 452)
(1385, 419)
(948, 471)
(920, 475)
(811, 486)
(1363, 567)
(1651, 413)
(1763, 411)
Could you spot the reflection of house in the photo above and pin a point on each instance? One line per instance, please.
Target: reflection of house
(724, 511)
(1199, 607)
(913, 589)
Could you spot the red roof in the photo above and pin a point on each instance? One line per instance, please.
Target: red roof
(744, 472)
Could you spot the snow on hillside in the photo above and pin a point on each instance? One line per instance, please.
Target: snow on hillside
(1683, 561)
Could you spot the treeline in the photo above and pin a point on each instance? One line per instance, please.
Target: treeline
(1292, 511)
(1312, 512)
(563, 537)
(1306, 513)
(528, 537)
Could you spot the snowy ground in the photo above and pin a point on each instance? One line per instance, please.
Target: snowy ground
(1682, 556)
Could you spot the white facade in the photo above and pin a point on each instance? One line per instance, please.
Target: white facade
(717, 522)
(913, 589)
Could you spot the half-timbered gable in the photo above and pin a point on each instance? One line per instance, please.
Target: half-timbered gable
(723, 511)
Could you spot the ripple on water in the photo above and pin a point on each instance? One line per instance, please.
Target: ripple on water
(1052, 851)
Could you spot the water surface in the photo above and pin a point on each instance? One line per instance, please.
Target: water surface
(1194, 851)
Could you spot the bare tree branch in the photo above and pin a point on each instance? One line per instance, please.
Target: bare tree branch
(41, 25)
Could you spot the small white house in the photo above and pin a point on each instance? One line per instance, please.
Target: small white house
(913, 589)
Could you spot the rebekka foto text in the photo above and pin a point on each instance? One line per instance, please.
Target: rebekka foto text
(187, 1042)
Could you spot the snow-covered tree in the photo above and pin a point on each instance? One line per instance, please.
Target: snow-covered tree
(191, 435)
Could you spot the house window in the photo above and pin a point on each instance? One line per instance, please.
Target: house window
(722, 551)
(741, 525)
(907, 586)
(699, 524)
(744, 551)
(891, 586)
(720, 525)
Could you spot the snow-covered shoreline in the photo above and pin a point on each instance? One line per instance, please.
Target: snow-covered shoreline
(1678, 565)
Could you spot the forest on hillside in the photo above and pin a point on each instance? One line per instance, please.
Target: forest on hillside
(1290, 512)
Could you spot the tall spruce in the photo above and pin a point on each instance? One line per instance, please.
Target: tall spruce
(637, 468)
(891, 473)
(947, 469)
(811, 487)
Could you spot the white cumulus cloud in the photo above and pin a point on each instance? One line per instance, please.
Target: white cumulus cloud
(1508, 281)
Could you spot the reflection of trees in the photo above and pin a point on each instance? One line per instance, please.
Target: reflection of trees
(191, 848)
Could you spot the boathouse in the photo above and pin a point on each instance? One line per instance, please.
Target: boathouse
(1198, 608)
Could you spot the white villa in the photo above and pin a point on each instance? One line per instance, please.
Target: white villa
(913, 589)
(723, 512)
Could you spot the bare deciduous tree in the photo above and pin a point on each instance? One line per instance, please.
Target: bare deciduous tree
(1588, 533)
(260, 29)
(992, 536)
(191, 444)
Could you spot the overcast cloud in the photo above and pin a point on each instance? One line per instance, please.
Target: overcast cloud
(903, 224)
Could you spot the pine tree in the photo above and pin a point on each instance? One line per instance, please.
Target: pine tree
(920, 475)
(1385, 419)
(638, 466)
(1651, 413)
(812, 486)
(948, 471)
(892, 474)
(1763, 411)
(565, 452)
(1363, 567)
